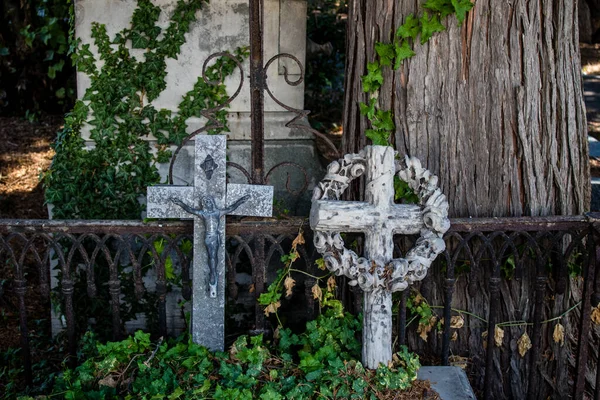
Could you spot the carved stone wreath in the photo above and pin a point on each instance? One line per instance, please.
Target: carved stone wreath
(399, 273)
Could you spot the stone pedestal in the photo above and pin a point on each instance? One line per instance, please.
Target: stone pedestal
(450, 383)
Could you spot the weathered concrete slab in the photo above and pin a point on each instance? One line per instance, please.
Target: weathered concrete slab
(451, 383)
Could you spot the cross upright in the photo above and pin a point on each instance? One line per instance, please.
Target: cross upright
(207, 202)
(379, 219)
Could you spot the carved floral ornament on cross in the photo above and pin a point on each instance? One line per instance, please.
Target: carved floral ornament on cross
(375, 274)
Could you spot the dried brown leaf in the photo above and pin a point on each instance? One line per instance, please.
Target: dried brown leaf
(289, 284)
(251, 289)
(596, 315)
(498, 336)
(458, 361)
(418, 299)
(317, 292)
(109, 381)
(331, 284)
(457, 322)
(559, 334)
(272, 308)
(424, 329)
(454, 337)
(524, 344)
(298, 240)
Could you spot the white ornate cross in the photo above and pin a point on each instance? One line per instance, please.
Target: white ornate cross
(208, 300)
(378, 274)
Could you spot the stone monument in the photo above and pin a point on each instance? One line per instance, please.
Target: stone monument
(223, 26)
(207, 202)
(378, 274)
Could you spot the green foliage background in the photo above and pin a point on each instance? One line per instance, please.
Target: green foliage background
(106, 182)
(35, 72)
(321, 362)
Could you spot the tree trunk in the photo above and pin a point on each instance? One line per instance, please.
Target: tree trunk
(494, 108)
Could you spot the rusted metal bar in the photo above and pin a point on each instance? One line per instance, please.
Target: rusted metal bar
(449, 290)
(259, 276)
(234, 226)
(493, 316)
(522, 224)
(402, 318)
(21, 290)
(114, 288)
(536, 339)
(585, 322)
(257, 95)
(508, 224)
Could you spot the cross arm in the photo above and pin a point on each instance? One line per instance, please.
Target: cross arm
(160, 206)
(259, 203)
(356, 216)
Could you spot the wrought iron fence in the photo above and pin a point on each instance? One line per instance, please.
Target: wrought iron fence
(521, 275)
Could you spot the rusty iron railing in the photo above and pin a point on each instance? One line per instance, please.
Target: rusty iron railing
(541, 251)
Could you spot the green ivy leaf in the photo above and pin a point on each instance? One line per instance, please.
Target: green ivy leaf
(443, 7)
(410, 29)
(369, 109)
(138, 41)
(403, 52)
(430, 26)
(462, 7)
(378, 137)
(386, 53)
(374, 78)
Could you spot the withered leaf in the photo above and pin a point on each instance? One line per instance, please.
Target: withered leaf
(596, 315)
(331, 284)
(289, 284)
(317, 292)
(498, 336)
(457, 322)
(298, 240)
(524, 344)
(559, 334)
(454, 337)
(272, 308)
(424, 329)
(109, 381)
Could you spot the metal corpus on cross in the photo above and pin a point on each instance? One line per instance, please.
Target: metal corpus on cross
(378, 274)
(207, 202)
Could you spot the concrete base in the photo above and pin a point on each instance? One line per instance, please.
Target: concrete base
(451, 383)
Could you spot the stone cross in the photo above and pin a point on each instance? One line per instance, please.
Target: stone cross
(208, 201)
(378, 274)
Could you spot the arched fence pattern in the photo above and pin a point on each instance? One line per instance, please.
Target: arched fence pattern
(549, 262)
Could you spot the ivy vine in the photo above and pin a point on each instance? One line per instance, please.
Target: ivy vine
(106, 181)
(415, 28)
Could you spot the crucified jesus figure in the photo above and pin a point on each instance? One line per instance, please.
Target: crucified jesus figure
(211, 215)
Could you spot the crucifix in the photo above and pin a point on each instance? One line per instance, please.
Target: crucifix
(207, 202)
(377, 273)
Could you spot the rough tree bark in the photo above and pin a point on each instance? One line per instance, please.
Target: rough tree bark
(495, 108)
